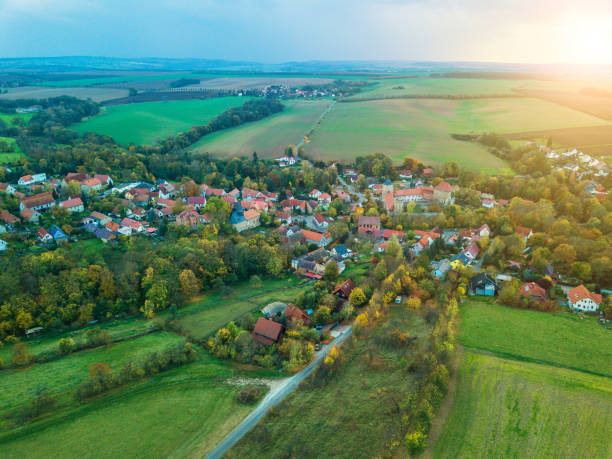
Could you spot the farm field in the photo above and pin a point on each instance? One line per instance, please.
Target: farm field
(148, 122)
(41, 92)
(268, 137)
(562, 339)
(596, 140)
(358, 402)
(422, 128)
(7, 157)
(211, 312)
(184, 412)
(505, 408)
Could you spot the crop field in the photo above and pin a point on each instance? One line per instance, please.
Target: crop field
(211, 312)
(505, 408)
(561, 339)
(268, 137)
(40, 92)
(184, 412)
(7, 157)
(422, 128)
(148, 122)
(596, 140)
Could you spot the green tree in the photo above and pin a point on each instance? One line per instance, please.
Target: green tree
(66, 345)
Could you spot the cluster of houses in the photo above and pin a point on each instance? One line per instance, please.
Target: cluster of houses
(312, 264)
(577, 162)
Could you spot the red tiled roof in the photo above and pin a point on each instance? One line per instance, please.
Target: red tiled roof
(267, 331)
(581, 292)
(71, 203)
(345, 287)
(533, 289)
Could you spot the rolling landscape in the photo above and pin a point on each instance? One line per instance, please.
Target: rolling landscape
(305, 230)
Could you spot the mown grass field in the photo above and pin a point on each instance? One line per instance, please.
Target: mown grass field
(561, 339)
(422, 128)
(268, 137)
(505, 408)
(13, 156)
(211, 312)
(145, 123)
(354, 414)
(184, 412)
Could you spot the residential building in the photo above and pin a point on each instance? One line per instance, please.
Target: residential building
(29, 215)
(483, 284)
(320, 239)
(41, 201)
(267, 331)
(57, 233)
(188, 217)
(369, 226)
(444, 193)
(344, 290)
(3, 245)
(525, 232)
(295, 314)
(533, 290)
(243, 220)
(74, 205)
(581, 299)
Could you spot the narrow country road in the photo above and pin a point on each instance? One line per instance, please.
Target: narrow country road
(321, 118)
(274, 397)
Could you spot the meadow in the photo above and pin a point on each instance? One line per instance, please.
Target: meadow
(561, 339)
(13, 156)
(268, 137)
(358, 403)
(183, 412)
(505, 408)
(145, 123)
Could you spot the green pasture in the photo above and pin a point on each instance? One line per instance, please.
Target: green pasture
(13, 156)
(268, 137)
(562, 339)
(145, 123)
(505, 408)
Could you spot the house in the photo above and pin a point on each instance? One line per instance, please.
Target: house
(389, 201)
(3, 245)
(196, 201)
(242, 220)
(533, 290)
(405, 174)
(295, 314)
(324, 199)
(406, 195)
(112, 226)
(104, 235)
(443, 267)
(582, 300)
(57, 233)
(7, 188)
(320, 221)
(428, 193)
(341, 251)
(99, 218)
(9, 219)
(428, 172)
(344, 290)
(90, 184)
(166, 191)
(443, 193)
(484, 230)
(483, 284)
(30, 215)
(388, 233)
(104, 179)
(369, 226)
(319, 239)
(32, 179)
(73, 205)
(188, 217)
(267, 331)
(525, 232)
(41, 201)
(472, 251)
(128, 226)
(314, 194)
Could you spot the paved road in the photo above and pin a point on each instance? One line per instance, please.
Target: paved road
(322, 117)
(274, 397)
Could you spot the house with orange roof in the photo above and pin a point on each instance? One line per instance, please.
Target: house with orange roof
(581, 299)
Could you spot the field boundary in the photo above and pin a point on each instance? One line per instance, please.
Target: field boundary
(438, 96)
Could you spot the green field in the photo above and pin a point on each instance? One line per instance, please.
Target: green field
(211, 312)
(422, 128)
(145, 123)
(41, 92)
(505, 408)
(10, 157)
(8, 118)
(184, 412)
(268, 137)
(561, 339)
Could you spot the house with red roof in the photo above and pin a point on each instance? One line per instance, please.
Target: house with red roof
(389, 201)
(405, 174)
(43, 235)
(196, 201)
(188, 217)
(388, 233)
(344, 290)
(314, 194)
(428, 172)
(320, 221)
(30, 215)
(74, 205)
(581, 299)
(369, 226)
(295, 314)
(533, 290)
(129, 226)
(267, 331)
(443, 193)
(525, 232)
(319, 239)
(41, 201)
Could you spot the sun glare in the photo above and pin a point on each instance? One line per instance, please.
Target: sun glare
(589, 41)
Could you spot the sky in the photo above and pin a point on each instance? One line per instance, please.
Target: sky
(273, 31)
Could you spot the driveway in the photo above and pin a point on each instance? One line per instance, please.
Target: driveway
(275, 396)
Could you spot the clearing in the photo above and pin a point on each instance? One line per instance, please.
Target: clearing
(146, 123)
(12, 154)
(268, 137)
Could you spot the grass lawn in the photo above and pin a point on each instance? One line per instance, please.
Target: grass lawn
(353, 415)
(505, 408)
(268, 137)
(184, 412)
(8, 118)
(47, 344)
(60, 376)
(562, 339)
(13, 156)
(147, 122)
(211, 312)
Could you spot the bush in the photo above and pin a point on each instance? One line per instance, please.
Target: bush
(416, 442)
(35, 407)
(250, 394)
(66, 345)
(21, 356)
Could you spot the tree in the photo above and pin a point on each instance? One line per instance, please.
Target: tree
(563, 256)
(322, 315)
(347, 310)
(331, 272)
(190, 284)
(66, 345)
(21, 356)
(99, 370)
(357, 297)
